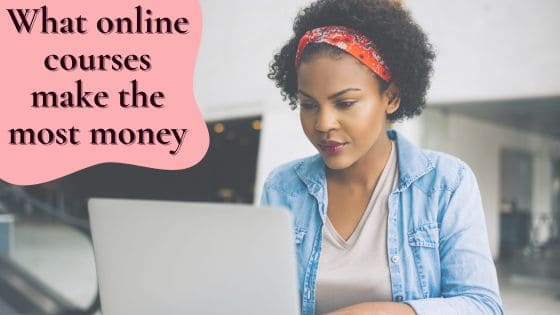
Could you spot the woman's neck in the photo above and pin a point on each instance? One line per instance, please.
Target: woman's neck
(366, 171)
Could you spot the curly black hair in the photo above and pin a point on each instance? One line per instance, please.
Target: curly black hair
(402, 43)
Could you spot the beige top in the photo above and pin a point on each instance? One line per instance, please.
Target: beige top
(357, 270)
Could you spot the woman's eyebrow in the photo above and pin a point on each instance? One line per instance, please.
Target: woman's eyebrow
(306, 94)
(335, 95)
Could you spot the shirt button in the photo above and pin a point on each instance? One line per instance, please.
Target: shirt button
(395, 259)
(399, 298)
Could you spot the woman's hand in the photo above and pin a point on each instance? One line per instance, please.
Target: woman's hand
(375, 308)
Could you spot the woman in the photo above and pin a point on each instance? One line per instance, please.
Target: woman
(381, 226)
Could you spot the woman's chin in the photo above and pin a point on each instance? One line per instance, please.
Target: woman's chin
(336, 162)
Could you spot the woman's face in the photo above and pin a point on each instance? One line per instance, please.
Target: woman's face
(343, 112)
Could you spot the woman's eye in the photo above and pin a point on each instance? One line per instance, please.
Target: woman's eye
(345, 104)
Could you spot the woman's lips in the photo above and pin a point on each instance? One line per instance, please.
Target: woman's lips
(331, 146)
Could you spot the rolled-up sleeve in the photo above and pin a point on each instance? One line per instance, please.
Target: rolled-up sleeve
(265, 195)
(469, 284)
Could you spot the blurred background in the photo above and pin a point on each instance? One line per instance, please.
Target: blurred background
(494, 102)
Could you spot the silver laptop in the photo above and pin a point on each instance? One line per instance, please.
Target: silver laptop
(158, 257)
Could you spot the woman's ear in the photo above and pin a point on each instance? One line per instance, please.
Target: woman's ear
(393, 98)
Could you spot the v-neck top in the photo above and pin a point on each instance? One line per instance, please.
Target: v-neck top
(357, 270)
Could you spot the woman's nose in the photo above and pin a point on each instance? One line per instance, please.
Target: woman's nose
(326, 120)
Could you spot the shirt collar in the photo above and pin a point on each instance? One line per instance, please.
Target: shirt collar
(413, 163)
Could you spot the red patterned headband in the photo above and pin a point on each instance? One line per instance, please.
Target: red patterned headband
(349, 40)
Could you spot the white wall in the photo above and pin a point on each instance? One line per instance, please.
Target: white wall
(492, 49)
(542, 191)
(239, 39)
(479, 143)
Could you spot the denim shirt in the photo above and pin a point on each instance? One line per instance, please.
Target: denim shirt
(437, 245)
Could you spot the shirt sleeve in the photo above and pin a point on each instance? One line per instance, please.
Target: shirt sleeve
(265, 199)
(469, 281)
(266, 193)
